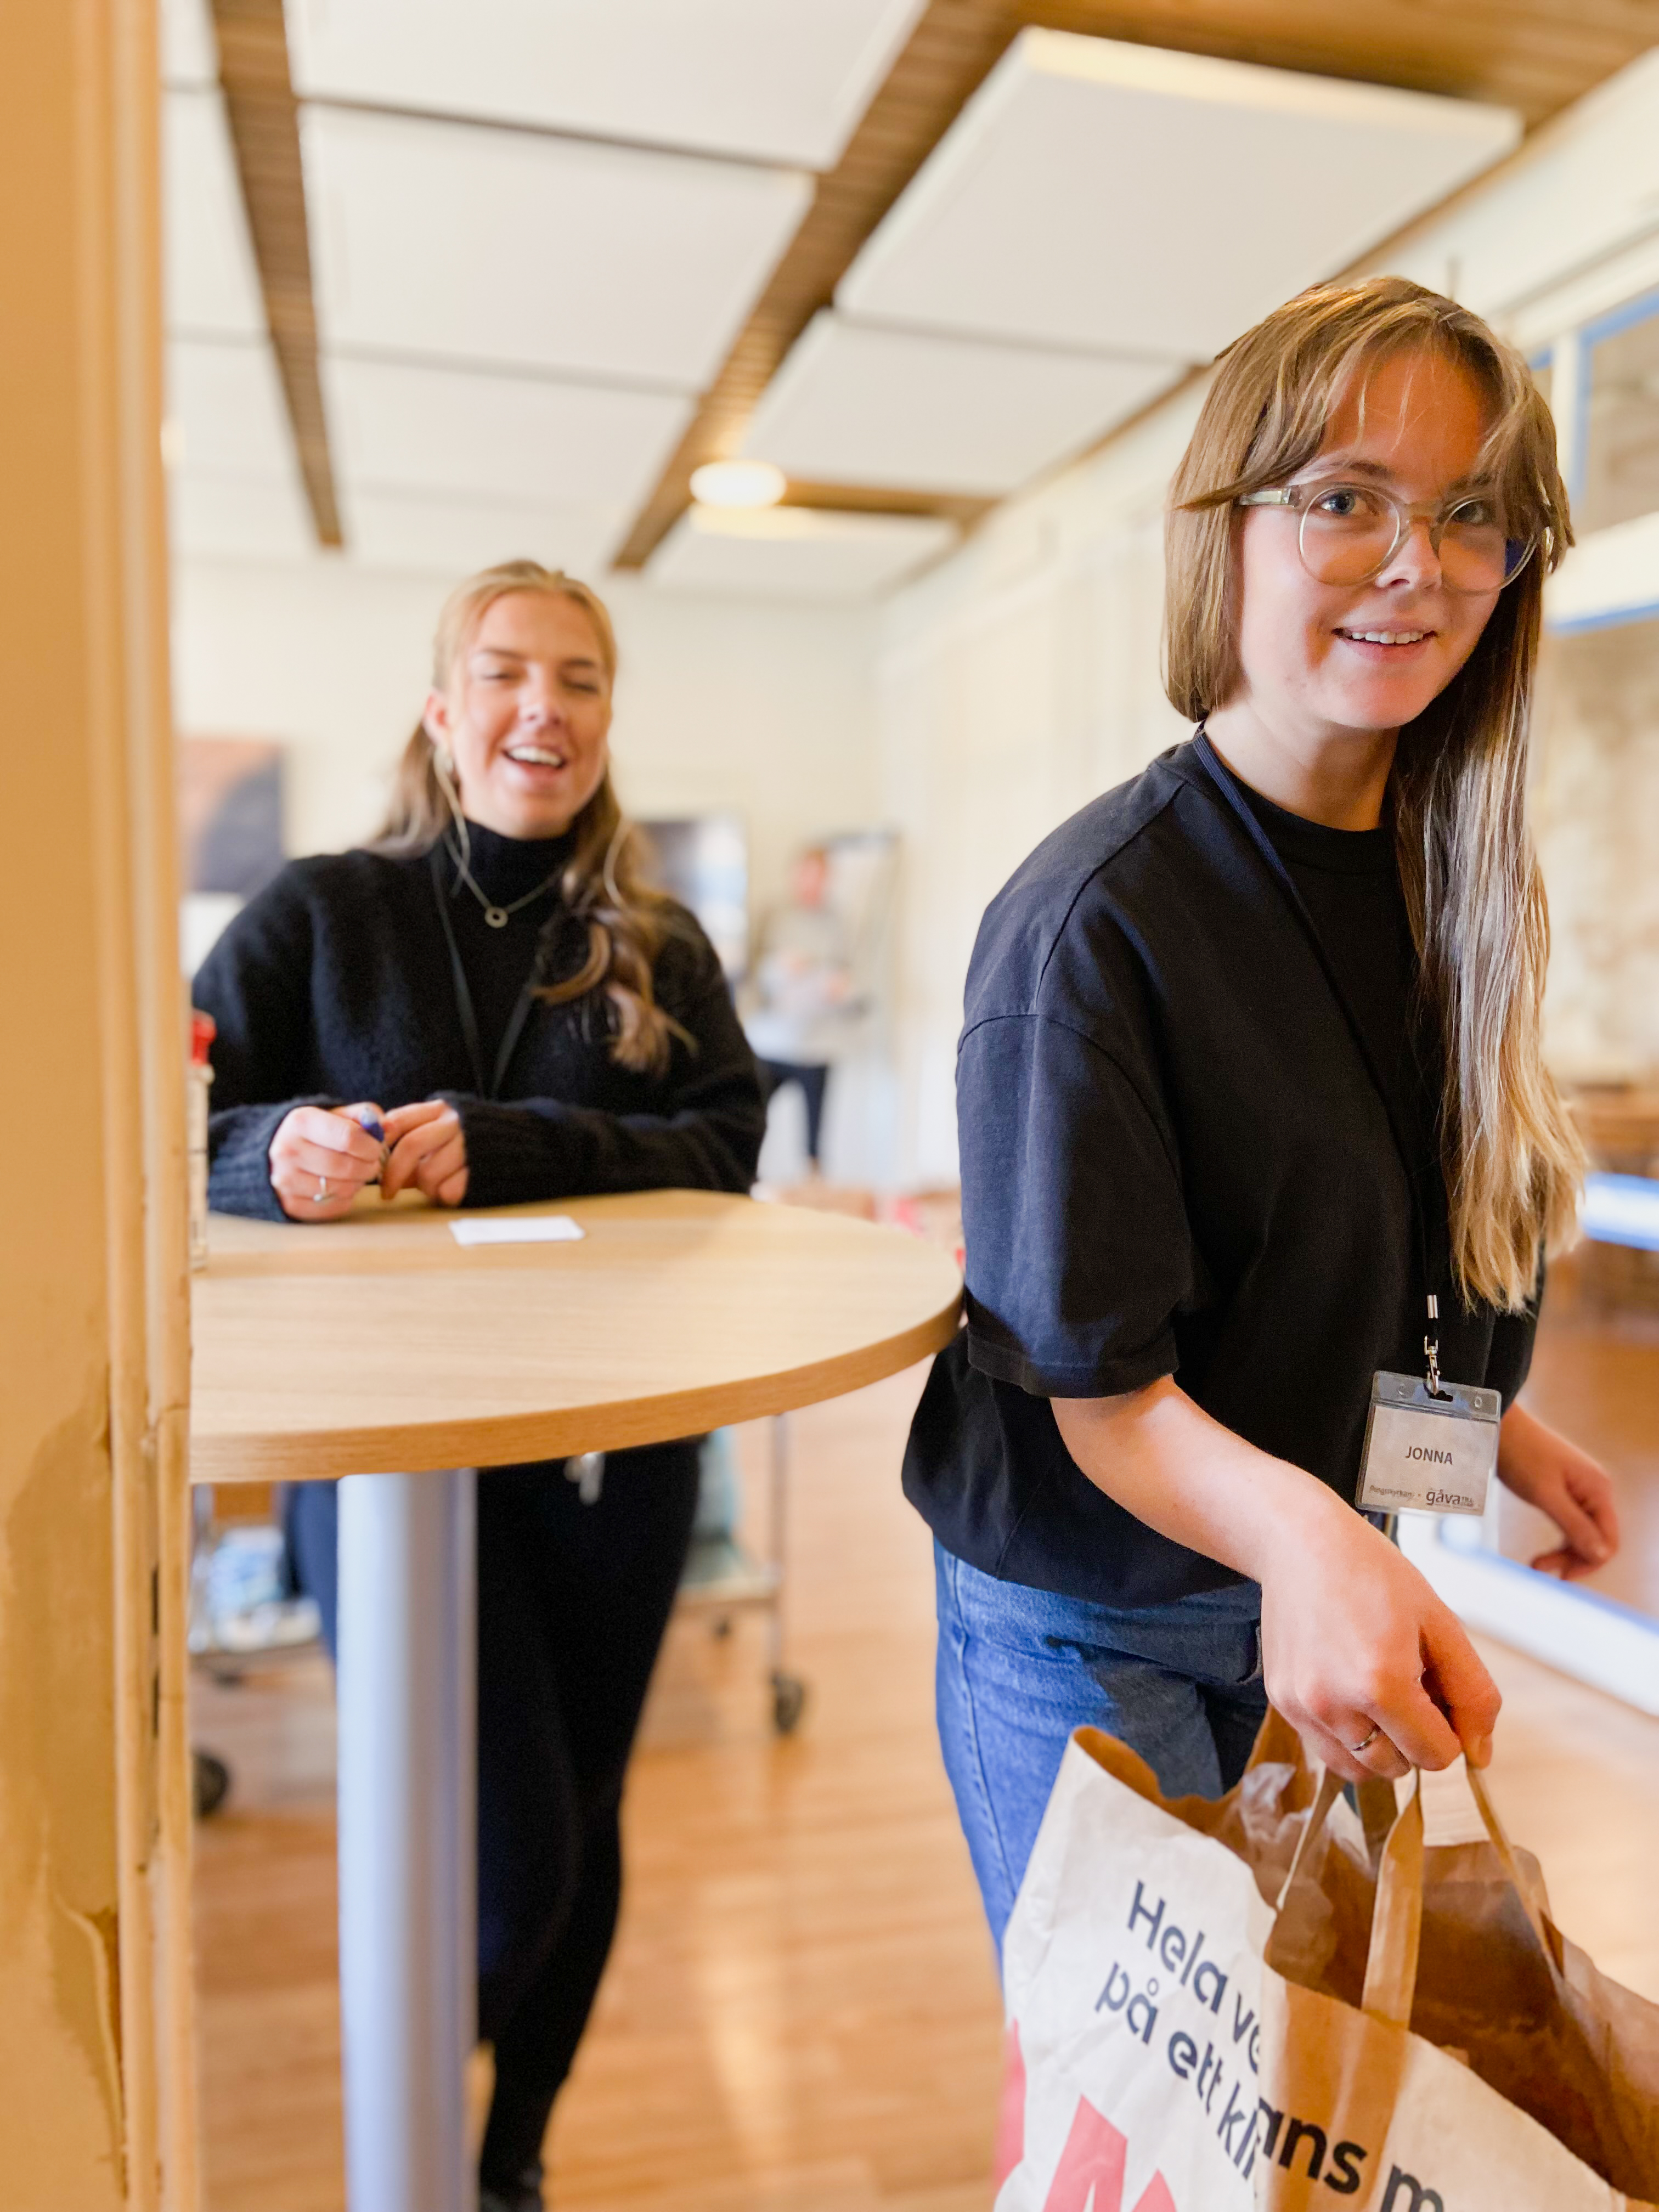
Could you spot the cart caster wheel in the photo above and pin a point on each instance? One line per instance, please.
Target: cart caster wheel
(788, 1702)
(209, 1783)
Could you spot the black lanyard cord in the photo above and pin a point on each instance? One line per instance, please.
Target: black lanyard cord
(1433, 1269)
(463, 1005)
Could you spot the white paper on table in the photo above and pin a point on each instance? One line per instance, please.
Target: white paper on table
(532, 1229)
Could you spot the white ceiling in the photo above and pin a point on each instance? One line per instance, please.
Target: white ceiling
(447, 539)
(456, 243)
(245, 518)
(781, 81)
(189, 54)
(225, 401)
(791, 552)
(212, 287)
(515, 322)
(402, 427)
(858, 404)
(1121, 200)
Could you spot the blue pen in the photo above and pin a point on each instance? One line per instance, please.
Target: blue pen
(376, 1128)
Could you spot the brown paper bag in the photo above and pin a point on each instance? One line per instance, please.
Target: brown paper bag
(1400, 2028)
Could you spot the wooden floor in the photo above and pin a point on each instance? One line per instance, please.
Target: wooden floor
(801, 2014)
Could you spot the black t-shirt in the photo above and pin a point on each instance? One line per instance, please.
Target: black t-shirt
(1348, 880)
(1176, 1160)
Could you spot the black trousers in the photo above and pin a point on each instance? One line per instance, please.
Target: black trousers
(814, 1081)
(573, 1601)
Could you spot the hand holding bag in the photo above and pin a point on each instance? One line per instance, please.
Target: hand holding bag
(1405, 2030)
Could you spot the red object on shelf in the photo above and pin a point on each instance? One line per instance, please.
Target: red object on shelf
(202, 1030)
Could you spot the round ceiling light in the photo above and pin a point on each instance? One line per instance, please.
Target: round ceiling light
(738, 483)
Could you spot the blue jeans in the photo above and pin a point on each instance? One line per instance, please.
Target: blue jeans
(1019, 1669)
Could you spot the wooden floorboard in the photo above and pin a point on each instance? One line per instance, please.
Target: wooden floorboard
(801, 2014)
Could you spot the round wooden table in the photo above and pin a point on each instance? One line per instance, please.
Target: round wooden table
(380, 1342)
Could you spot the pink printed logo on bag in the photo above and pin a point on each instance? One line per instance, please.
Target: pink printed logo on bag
(1011, 2110)
(1090, 2176)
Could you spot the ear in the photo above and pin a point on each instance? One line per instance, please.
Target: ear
(435, 720)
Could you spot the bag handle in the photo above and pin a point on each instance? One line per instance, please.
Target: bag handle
(1528, 1888)
(1330, 1789)
(1397, 1916)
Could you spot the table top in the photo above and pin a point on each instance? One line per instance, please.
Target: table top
(379, 1344)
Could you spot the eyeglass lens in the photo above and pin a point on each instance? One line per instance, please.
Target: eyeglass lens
(1349, 530)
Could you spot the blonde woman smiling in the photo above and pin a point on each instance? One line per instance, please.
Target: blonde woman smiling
(1250, 1070)
(494, 990)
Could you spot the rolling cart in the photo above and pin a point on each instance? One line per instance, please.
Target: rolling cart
(722, 1579)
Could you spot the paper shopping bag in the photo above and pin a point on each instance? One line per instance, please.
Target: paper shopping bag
(1423, 2042)
(1132, 1971)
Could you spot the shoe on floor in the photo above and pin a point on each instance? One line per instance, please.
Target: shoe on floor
(522, 2195)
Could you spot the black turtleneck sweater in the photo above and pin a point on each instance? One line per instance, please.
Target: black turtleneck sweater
(335, 984)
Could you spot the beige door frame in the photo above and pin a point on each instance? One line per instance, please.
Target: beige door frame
(96, 2052)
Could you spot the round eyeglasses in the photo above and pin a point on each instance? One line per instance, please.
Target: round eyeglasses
(1348, 532)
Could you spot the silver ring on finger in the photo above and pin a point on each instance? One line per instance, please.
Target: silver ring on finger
(321, 1192)
(1365, 1742)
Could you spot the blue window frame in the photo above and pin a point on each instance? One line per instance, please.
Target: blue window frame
(1615, 444)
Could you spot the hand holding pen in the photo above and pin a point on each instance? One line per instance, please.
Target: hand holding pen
(322, 1156)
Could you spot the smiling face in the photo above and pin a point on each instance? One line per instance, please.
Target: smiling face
(526, 715)
(1325, 663)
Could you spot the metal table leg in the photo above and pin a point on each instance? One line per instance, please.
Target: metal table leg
(408, 1806)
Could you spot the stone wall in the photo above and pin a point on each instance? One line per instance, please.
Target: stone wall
(1595, 815)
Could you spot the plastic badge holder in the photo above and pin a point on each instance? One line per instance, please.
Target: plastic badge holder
(1428, 1452)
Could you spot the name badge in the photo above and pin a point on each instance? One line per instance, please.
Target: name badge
(1428, 1454)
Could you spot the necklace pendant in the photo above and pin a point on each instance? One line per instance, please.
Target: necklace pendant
(497, 916)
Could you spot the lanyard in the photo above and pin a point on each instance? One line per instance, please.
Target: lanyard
(1434, 1265)
(463, 1006)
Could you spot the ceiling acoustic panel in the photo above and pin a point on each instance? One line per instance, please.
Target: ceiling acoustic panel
(190, 53)
(531, 442)
(781, 81)
(450, 538)
(794, 552)
(214, 518)
(857, 404)
(226, 411)
(210, 285)
(1122, 199)
(448, 242)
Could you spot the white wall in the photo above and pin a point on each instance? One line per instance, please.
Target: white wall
(1023, 675)
(1012, 687)
(763, 708)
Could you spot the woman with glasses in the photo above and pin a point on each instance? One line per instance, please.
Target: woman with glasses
(1254, 1114)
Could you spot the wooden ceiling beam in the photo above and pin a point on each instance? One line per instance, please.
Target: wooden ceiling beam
(1536, 56)
(265, 131)
(960, 507)
(1537, 59)
(952, 49)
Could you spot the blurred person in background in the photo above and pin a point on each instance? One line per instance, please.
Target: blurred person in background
(1251, 1068)
(804, 1013)
(488, 1005)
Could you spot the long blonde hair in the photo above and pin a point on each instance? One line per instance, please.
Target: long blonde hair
(1457, 790)
(604, 883)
